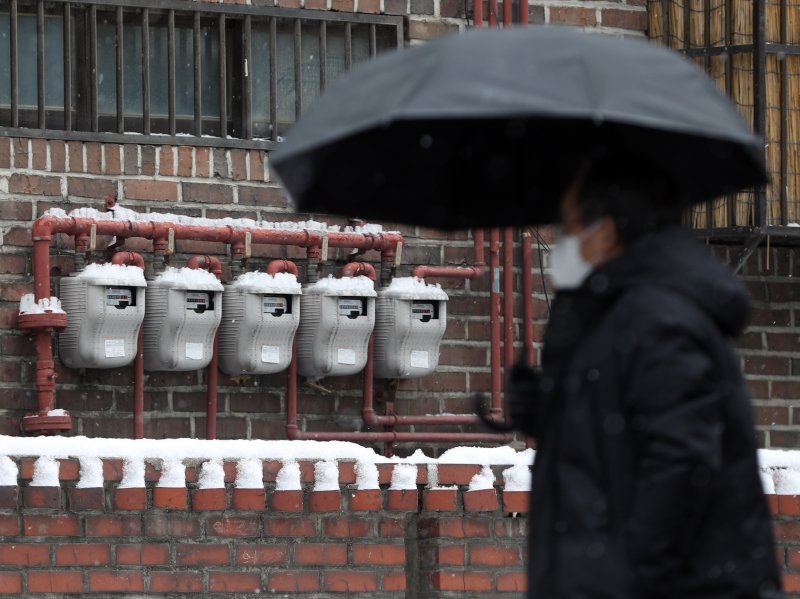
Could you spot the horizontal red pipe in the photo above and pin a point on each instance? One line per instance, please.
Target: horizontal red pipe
(448, 272)
(373, 419)
(295, 434)
(276, 266)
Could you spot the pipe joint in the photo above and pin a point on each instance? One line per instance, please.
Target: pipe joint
(210, 263)
(276, 266)
(355, 269)
(128, 259)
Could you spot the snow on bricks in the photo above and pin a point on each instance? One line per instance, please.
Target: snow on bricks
(235, 527)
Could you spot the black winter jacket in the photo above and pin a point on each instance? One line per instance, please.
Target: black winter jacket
(646, 483)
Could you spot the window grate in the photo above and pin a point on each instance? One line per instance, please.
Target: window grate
(133, 71)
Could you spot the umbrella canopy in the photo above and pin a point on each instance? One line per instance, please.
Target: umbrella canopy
(488, 128)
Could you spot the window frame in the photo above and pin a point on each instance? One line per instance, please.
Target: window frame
(235, 110)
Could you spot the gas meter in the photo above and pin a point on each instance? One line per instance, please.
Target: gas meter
(410, 320)
(184, 308)
(260, 315)
(338, 317)
(105, 305)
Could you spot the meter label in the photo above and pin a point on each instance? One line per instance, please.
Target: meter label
(348, 306)
(346, 356)
(197, 300)
(117, 297)
(115, 348)
(194, 351)
(270, 354)
(273, 304)
(419, 359)
(421, 311)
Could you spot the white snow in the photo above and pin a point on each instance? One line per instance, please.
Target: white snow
(249, 474)
(413, 288)
(357, 286)
(326, 476)
(91, 473)
(121, 213)
(517, 478)
(404, 477)
(188, 278)
(113, 274)
(482, 480)
(787, 482)
(8, 472)
(45, 472)
(778, 458)
(212, 475)
(288, 478)
(57, 412)
(173, 474)
(490, 456)
(132, 474)
(261, 282)
(767, 482)
(366, 476)
(28, 305)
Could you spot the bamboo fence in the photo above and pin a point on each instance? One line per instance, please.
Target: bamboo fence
(730, 23)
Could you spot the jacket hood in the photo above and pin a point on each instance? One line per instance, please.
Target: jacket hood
(674, 260)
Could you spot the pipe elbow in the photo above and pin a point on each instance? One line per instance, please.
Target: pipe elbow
(128, 258)
(292, 432)
(210, 263)
(355, 269)
(42, 229)
(276, 266)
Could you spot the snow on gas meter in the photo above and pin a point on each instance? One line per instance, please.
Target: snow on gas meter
(411, 317)
(105, 304)
(338, 317)
(260, 315)
(184, 308)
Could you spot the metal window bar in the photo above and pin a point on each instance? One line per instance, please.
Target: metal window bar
(67, 67)
(146, 71)
(81, 30)
(120, 72)
(40, 63)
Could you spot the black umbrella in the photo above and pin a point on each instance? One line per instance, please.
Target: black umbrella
(488, 127)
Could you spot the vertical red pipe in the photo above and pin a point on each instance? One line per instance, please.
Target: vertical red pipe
(211, 391)
(508, 299)
(523, 12)
(291, 395)
(138, 387)
(492, 7)
(477, 13)
(507, 18)
(527, 296)
(494, 318)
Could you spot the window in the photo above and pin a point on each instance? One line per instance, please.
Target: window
(230, 72)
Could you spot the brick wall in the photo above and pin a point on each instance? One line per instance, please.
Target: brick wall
(37, 174)
(228, 542)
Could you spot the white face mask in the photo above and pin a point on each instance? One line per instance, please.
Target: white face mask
(568, 269)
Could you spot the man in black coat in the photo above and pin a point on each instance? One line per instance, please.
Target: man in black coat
(646, 481)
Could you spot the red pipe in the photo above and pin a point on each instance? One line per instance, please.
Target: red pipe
(356, 269)
(128, 258)
(214, 266)
(477, 13)
(507, 18)
(494, 320)
(492, 13)
(477, 270)
(276, 266)
(136, 259)
(527, 296)
(523, 12)
(508, 298)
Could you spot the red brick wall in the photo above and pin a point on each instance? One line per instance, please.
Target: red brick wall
(223, 541)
